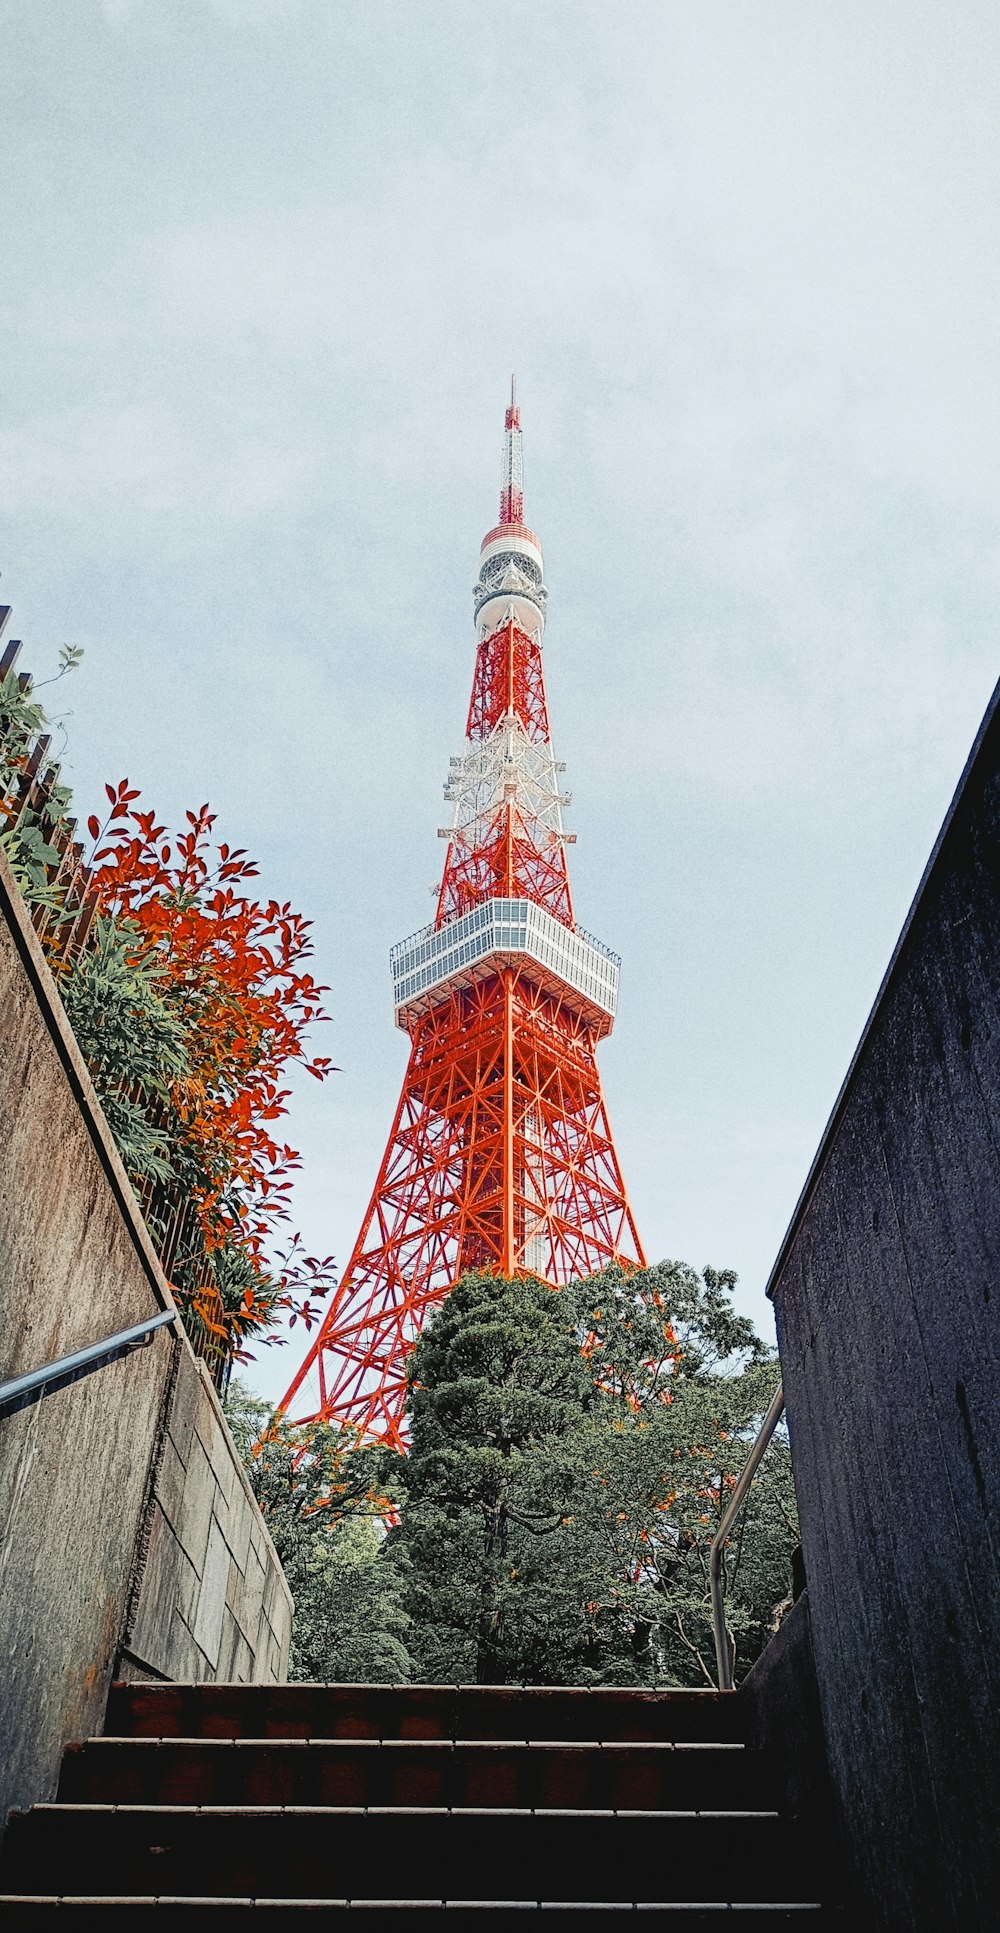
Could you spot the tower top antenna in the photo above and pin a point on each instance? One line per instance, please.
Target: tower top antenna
(511, 574)
(511, 480)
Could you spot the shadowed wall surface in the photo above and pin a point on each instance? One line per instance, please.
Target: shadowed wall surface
(780, 1699)
(125, 1519)
(887, 1295)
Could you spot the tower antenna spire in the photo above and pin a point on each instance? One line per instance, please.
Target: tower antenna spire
(512, 476)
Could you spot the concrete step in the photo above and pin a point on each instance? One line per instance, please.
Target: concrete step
(414, 1772)
(163, 1915)
(411, 1916)
(494, 1854)
(420, 1711)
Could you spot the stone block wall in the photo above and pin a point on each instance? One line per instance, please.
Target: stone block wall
(212, 1601)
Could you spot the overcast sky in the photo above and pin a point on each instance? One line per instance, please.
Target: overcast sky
(267, 266)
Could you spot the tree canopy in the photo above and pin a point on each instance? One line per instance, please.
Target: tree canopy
(572, 1453)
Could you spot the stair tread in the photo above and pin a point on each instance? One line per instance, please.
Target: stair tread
(396, 1905)
(165, 1911)
(153, 1741)
(237, 1850)
(454, 1774)
(104, 1807)
(431, 1710)
(630, 1694)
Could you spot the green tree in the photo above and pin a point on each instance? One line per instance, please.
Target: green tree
(324, 1499)
(500, 1395)
(685, 1381)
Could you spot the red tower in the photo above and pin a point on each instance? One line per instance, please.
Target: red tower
(501, 1154)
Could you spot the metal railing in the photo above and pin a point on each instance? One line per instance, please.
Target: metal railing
(723, 1642)
(446, 926)
(22, 1391)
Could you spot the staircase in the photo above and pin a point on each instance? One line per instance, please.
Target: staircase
(295, 1804)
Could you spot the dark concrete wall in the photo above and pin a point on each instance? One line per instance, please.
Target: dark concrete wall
(780, 1701)
(887, 1296)
(81, 1473)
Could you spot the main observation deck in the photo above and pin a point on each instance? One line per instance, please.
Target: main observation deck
(503, 932)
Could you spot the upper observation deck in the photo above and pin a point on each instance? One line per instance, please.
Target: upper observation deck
(504, 932)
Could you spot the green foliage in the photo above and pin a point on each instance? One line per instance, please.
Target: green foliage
(350, 1627)
(572, 1453)
(29, 855)
(27, 846)
(685, 1381)
(130, 1038)
(323, 1498)
(21, 719)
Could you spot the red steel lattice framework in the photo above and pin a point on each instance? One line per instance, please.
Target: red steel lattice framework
(501, 1154)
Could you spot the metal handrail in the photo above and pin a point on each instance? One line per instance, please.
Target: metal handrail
(22, 1391)
(723, 1650)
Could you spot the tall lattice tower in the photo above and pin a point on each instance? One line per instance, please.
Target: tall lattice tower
(500, 1155)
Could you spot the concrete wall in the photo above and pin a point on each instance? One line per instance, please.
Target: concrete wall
(887, 1296)
(780, 1698)
(83, 1559)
